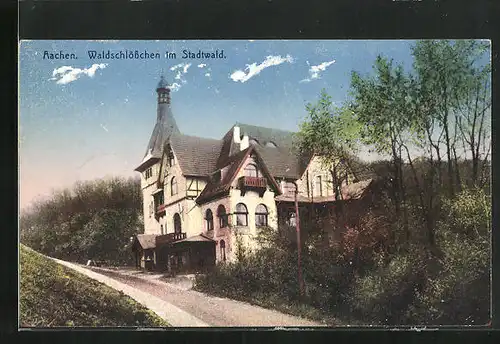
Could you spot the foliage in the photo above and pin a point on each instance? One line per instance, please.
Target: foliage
(53, 295)
(419, 253)
(94, 220)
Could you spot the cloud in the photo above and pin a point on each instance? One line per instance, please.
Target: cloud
(201, 65)
(315, 71)
(254, 69)
(175, 87)
(66, 74)
(181, 69)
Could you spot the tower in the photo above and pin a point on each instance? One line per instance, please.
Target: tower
(164, 127)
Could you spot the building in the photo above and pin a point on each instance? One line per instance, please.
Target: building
(200, 194)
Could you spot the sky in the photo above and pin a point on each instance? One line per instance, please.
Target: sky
(83, 118)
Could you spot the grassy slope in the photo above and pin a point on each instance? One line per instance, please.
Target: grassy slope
(54, 295)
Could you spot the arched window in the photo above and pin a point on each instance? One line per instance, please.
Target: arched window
(251, 171)
(210, 220)
(173, 186)
(161, 229)
(223, 250)
(241, 215)
(222, 215)
(319, 186)
(177, 223)
(261, 215)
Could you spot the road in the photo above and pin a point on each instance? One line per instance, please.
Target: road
(211, 310)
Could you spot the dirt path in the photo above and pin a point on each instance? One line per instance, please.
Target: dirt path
(214, 311)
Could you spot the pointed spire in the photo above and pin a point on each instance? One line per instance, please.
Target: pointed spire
(162, 84)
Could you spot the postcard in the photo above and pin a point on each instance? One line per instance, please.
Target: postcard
(254, 183)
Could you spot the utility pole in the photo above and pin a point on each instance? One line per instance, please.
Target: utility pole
(297, 226)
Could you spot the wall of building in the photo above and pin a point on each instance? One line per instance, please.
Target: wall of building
(151, 226)
(251, 199)
(317, 168)
(218, 234)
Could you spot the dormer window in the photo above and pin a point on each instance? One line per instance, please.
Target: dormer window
(149, 173)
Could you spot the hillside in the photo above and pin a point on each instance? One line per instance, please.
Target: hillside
(53, 295)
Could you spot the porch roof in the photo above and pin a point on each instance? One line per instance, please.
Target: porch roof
(195, 238)
(147, 241)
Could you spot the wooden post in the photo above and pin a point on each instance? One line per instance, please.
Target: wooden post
(297, 226)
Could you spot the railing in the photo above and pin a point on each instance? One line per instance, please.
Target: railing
(160, 208)
(170, 237)
(253, 182)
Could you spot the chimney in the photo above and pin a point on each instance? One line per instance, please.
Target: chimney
(223, 172)
(236, 134)
(244, 142)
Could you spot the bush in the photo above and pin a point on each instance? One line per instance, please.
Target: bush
(94, 220)
(459, 291)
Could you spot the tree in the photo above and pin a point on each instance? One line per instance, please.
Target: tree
(380, 103)
(331, 133)
(450, 73)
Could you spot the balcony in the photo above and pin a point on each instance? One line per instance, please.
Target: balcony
(258, 184)
(160, 210)
(169, 238)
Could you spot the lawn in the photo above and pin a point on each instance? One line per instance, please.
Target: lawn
(53, 295)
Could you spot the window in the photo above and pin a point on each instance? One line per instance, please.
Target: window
(161, 198)
(222, 215)
(149, 173)
(161, 229)
(177, 223)
(223, 250)
(289, 189)
(241, 215)
(251, 171)
(171, 159)
(173, 186)
(151, 208)
(261, 215)
(319, 188)
(209, 218)
(291, 219)
(254, 142)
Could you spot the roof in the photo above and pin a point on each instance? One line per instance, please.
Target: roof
(195, 238)
(162, 83)
(147, 241)
(349, 192)
(233, 165)
(197, 156)
(355, 190)
(282, 160)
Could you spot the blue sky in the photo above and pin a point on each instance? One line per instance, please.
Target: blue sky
(84, 119)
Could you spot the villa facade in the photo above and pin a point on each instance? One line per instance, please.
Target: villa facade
(202, 196)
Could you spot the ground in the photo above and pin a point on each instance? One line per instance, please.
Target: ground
(214, 311)
(55, 295)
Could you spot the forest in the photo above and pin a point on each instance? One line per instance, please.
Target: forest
(422, 255)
